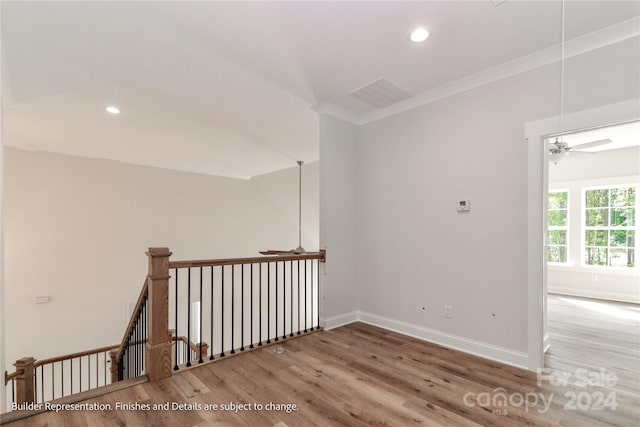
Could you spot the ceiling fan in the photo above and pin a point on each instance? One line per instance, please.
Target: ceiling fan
(558, 150)
(299, 249)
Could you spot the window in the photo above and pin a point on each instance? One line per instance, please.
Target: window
(558, 226)
(610, 226)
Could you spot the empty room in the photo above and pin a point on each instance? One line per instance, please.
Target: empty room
(320, 213)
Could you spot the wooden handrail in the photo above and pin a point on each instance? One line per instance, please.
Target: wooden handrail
(252, 260)
(9, 376)
(74, 355)
(192, 346)
(132, 320)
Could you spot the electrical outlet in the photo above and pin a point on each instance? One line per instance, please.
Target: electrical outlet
(447, 311)
(594, 277)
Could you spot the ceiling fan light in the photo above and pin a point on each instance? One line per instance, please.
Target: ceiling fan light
(556, 157)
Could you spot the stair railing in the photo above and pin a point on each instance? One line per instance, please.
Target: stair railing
(268, 298)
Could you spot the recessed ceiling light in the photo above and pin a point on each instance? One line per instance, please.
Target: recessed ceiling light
(419, 35)
(112, 109)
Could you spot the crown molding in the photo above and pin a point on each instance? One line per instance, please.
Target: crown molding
(345, 114)
(583, 44)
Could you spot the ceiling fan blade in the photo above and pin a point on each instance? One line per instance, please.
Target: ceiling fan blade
(274, 252)
(591, 144)
(580, 153)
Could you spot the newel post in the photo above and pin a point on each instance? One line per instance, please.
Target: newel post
(24, 380)
(113, 354)
(158, 347)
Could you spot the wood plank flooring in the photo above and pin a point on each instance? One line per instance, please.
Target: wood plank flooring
(360, 375)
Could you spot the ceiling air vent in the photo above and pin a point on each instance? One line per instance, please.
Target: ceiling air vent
(381, 93)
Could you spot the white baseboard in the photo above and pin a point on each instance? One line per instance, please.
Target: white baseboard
(339, 320)
(477, 348)
(546, 344)
(610, 296)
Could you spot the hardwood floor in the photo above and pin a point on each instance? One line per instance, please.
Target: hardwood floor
(361, 375)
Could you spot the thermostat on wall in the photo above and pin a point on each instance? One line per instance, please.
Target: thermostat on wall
(464, 206)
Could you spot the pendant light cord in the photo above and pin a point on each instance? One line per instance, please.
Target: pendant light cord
(300, 163)
(562, 35)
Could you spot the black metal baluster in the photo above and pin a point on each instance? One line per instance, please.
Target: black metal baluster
(120, 370)
(175, 366)
(260, 304)
(144, 336)
(318, 290)
(222, 317)
(284, 301)
(268, 303)
(200, 358)
(291, 298)
(305, 295)
(189, 314)
(211, 341)
(276, 338)
(312, 295)
(80, 374)
(241, 307)
(134, 349)
(138, 346)
(53, 381)
(299, 328)
(233, 331)
(140, 340)
(13, 390)
(251, 330)
(62, 378)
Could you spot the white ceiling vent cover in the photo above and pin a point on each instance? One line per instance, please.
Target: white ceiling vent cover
(381, 93)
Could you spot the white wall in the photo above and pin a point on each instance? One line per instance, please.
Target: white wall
(573, 174)
(417, 250)
(338, 220)
(2, 293)
(77, 229)
(281, 188)
(416, 254)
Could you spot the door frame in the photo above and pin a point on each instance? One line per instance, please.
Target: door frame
(537, 193)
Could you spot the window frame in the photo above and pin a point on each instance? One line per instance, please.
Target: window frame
(584, 228)
(565, 228)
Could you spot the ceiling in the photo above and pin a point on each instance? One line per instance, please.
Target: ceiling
(624, 135)
(226, 88)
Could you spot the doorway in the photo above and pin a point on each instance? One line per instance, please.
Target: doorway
(593, 280)
(537, 198)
